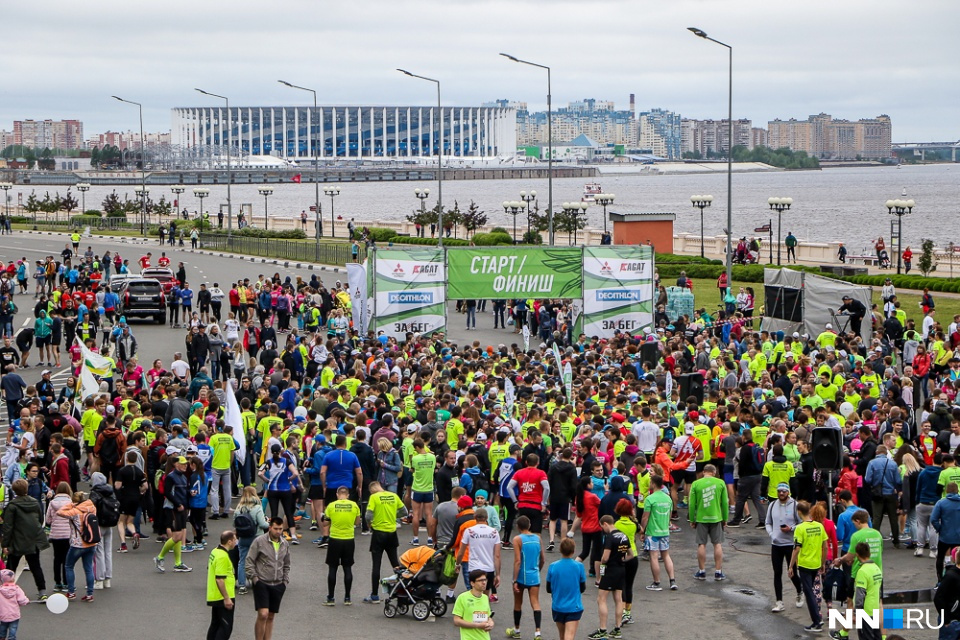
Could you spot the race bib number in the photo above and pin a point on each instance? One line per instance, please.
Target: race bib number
(603, 570)
(480, 617)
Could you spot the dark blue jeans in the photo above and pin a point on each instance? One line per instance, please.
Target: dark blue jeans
(86, 556)
(807, 579)
(8, 630)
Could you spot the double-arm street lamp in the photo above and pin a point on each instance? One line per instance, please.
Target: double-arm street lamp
(332, 191)
(899, 208)
(439, 152)
(422, 195)
(573, 211)
(143, 167)
(316, 159)
(513, 208)
(5, 187)
(82, 187)
(549, 140)
(701, 202)
(229, 162)
(529, 198)
(700, 33)
(177, 190)
(780, 205)
(266, 192)
(201, 192)
(604, 200)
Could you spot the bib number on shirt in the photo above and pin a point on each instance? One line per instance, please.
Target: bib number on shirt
(480, 617)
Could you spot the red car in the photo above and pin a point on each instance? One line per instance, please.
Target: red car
(166, 277)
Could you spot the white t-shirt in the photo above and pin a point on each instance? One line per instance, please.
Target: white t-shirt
(481, 539)
(180, 368)
(927, 326)
(684, 444)
(954, 441)
(647, 435)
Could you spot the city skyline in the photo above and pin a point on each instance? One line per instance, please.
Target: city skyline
(786, 63)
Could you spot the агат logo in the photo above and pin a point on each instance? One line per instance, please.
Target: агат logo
(429, 269)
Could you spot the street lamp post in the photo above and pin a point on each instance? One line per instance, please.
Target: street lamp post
(143, 166)
(333, 191)
(549, 140)
(177, 189)
(266, 192)
(82, 187)
(701, 202)
(143, 193)
(529, 198)
(573, 210)
(439, 152)
(316, 162)
(604, 200)
(899, 208)
(779, 205)
(229, 164)
(6, 186)
(201, 192)
(700, 33)
(513, 208)
(422, 195)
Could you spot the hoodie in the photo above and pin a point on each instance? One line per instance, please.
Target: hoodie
(12, 598)
(780, 513)
(467, 480)
(928, 491)
(946, 519)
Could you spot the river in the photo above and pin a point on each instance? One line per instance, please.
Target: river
(845, 204)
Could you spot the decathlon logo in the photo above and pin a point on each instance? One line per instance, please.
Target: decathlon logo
(618, 295)
(892, 619)
(410, 297)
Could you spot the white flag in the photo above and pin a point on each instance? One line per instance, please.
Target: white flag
(526, 337)
(357, 281)
(509, 395)
(88, 384)
(233, 418)
(94, 361)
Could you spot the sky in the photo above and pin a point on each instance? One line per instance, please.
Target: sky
(63, 59)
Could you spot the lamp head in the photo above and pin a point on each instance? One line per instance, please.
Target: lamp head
(700, 33)
(510, 57)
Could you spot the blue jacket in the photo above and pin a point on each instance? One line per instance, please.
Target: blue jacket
(883, 470)
(846, 528)
(316, 461)
(928, 492)
(198, 491)
(466, 480)
(946, 519)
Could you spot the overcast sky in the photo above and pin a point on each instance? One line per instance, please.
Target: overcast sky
(850, 58)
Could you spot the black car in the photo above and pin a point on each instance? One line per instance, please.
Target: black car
(140, 297)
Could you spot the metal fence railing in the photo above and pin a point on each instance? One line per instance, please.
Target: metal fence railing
(332, 253)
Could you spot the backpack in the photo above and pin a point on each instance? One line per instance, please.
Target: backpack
(109, 451)
(245, 525)
(480, 481)
(108, 508)
(89, 529)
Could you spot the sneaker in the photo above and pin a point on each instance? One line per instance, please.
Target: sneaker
(615, 633)
(674, 528)
(494, 597)
(513, 633)
(673, 585)
(551, 546)
(374, 599)
(88, 598)
(760, 525)
(800, 600)
(60, 588)
(933, 554)
(814, 628)
(918, 552)
(313, 525)
(682, 505)
(626, 618)
(294, 541)
(324, 543)
(136, 540)
(214, 516)
(367, 533)
(347, 602)
(506, 545)
(182, 568)
(71, 596)
(329, 602)
(42, 597)
(733, 524)
(415, 541)
(158, 562)
(599, 634)
(106, 583)
(839, 635)
(719, 576)
(123, 548)
(242, 591)
(645, 555)
(429, 542)
(746, 519)
(674, 516)
(654, 586)
(778, 608)
(187, 548)
(317, 540)
(142, 537)
(98, 585)
(700, 575)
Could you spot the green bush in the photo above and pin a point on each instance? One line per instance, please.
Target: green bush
(432, 242)
(93, 213)
(500, 230)
(532, 237)
(286, 234)
(491, 239)
(378, 234)
(670, 258)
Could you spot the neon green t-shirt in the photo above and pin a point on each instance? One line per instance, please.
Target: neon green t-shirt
(948, 475)
(384, 506)
(777, 472)
(423, 465)
(659, 505)
(342, 515)
(874, 540)
(454, 431)
(223, 445)
(869, 582)
(219, 566)
(810, 536)
(194, 424)
(472, 609)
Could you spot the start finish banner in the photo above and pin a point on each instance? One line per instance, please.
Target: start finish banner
(493, 273)
(617, 289)
(408, 291)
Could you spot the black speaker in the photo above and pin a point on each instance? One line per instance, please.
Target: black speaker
(691, 384)
(650, 353)
(827, 448)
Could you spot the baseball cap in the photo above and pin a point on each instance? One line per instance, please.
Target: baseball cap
(53, 406)
(694, 415)
(481, 436)
(45, 372)
(688, 429)
(176, 421)
(829, 326)
(465, 502)
(411, 428)
(111, 409)
(182, 460)
(617, 416)
(276, 448)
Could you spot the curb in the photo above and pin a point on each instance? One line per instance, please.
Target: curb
(310, 266)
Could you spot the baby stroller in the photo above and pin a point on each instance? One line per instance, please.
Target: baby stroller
(884, 259)
(416, 586)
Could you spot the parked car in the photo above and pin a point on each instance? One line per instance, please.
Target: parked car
(117, 281)
(143, 297)
(165, 276)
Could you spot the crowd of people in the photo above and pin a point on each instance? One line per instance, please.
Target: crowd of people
(279, 417)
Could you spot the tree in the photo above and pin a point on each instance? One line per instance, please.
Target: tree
(33, 204)
(95, 157)
(67, 203)
(112, 206)
(569, 222)
(926, 263)
(453, 218)
(473, 218)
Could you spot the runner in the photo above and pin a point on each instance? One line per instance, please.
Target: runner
(342, 516)
(616, 553)
(656, 533)
(708, 511)
(472, 613)
(383, 510)
(528, 561)
(566, 582)
(808, 560)
(221, 588)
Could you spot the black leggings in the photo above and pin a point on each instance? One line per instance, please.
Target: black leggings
(593, 547)
(60, 548)
(631, 568)
(779, 555)
(277, 498)
(198, 519)
(510, 507)
(347, 581)
(377, 557)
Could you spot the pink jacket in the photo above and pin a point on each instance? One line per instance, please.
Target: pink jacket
(59, 525)
(12, 598)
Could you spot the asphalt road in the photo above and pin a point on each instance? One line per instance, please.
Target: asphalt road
(145, 603)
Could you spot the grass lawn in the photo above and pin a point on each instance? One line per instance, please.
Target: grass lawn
(707, 295)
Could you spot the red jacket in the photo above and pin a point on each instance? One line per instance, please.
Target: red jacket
(59, 471)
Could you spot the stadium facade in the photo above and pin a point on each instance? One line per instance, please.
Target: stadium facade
(349, 131)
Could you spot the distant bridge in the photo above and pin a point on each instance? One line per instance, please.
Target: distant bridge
(921, 148)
